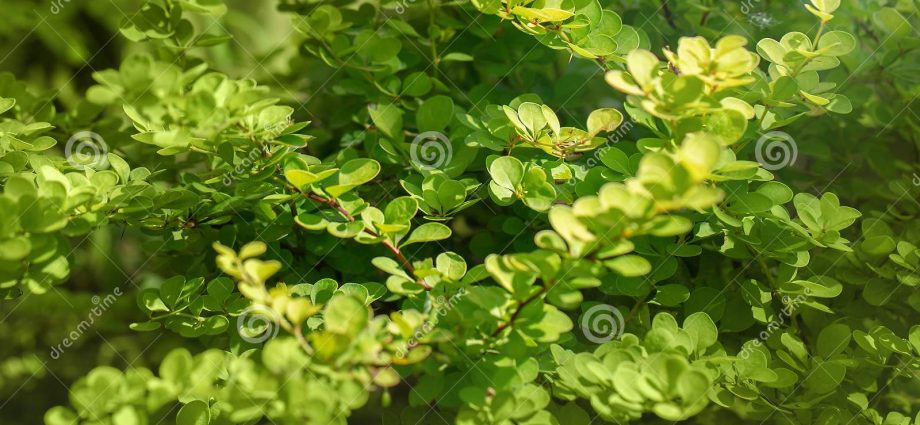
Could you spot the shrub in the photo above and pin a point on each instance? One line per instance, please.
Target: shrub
(484, 212)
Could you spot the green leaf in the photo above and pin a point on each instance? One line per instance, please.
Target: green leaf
(542, 15)
(692, 383)
(145, 326)
(837, 43)
(642, 66)
(671, 295)
(615, 159)
(127, 415)
(457, 57)
(6, 104)
(532, 116)
(825, 377)
(301, 178)
(60, 415)
(15, 249)
(176, 366)
(353, 173)
(404, 286)
(771, 50)
(816, 286)
(388, 118)
(826, 6)
(538, 193)
(195, 412)
(428, 232)
(629, 265)
(434, 114)
(401, 210)
(451, 195)
(699, 154)
(452, 265)
(390, 266)
(253, 249)
(377, 49)
(914, 338)
(416, 84)
(150, 299)
(345, 315)
(551, 119)
(604, 120)
(833, 339)
(702, 329)
(507, 172)
(311, 221)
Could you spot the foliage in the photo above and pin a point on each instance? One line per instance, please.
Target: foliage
(469, 212)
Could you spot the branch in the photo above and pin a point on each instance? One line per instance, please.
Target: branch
(393, 248)
(332, 203)
(668, 15)
(632, 312)
(298, 332)
(704, 18)
(517, 312)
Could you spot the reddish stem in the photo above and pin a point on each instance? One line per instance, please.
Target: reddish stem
(395, 250)
(517, 312)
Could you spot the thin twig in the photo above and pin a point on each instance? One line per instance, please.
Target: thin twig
(298, 332)
(389, 245)
(517, 311)
(668, 15)
(639, 303)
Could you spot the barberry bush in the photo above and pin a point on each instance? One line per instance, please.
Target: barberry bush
(411, 212)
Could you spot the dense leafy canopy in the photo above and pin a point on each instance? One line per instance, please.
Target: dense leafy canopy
(460, 212)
